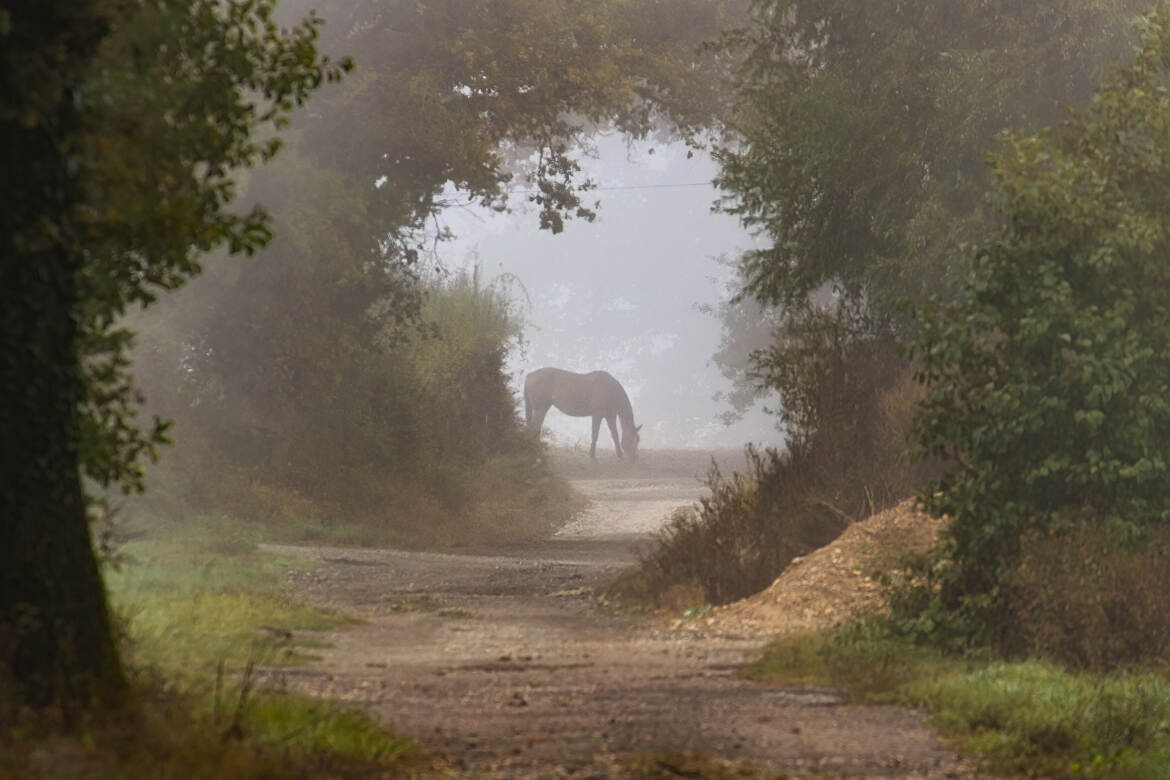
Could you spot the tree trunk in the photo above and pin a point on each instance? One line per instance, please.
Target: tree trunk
(56, 646)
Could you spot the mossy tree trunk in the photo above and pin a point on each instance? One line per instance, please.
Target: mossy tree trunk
(56, 645)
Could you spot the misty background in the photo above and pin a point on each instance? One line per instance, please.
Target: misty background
(625, 293)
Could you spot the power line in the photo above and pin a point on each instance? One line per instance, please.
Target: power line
(653, 186)
(615, 187)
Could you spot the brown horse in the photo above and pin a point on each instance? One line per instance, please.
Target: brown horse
(596, 394)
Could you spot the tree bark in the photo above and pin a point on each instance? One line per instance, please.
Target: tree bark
(56, 644)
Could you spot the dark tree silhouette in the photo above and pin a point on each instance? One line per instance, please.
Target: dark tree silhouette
(56, 645)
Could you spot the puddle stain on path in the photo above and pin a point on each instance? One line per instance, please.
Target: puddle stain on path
(502, 661)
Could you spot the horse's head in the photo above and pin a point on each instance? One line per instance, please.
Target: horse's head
(630, 439)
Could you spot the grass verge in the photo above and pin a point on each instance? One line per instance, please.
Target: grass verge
(171, 736)
(203, 594)
(199, 607)
(504, 498)
(1024, 717)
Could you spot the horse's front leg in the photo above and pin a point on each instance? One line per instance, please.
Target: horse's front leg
(596, 430)
(536, 421)
(617, 442)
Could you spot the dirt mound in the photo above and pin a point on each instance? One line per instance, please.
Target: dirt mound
(830, 585)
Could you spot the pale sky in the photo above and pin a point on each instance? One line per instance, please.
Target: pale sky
(621, 294)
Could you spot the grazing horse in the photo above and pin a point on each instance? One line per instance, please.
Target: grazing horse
(596, 394)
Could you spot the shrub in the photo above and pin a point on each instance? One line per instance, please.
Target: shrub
(420, 444)
(1091, 598)
(746, 530)
(851, 416)
(1047, 384)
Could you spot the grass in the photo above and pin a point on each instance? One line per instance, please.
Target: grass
(1023, 717)
(316, 727)
(859, 659)
(1034, 716)
(199, 607)
(204, 594)
(169, 736)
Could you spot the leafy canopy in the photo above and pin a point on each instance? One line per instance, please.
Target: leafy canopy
(857, 151)
(298, 363)
(182, 97)
(1048, 385)
(860, 130)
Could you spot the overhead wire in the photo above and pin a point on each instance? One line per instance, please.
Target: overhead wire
(614, 187)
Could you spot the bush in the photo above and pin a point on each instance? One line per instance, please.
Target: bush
(419, 444)
(844, 462)
(1047, 384)
(736, 539)
(1091, 599)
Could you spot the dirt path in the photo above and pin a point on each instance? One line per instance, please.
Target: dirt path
(501, 660)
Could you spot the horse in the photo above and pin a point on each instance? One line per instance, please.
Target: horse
(596, 394)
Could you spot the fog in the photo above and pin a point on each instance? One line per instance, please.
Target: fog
(623, 293)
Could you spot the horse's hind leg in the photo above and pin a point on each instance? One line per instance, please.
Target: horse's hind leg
(596, 430)
(535, 416)
(617, 443)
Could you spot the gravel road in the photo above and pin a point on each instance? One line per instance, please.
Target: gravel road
(502, 660)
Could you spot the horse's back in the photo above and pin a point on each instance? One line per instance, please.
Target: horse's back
(577, 395)
(540, 382)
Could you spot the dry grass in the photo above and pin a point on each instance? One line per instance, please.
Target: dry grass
(1092, 599)
(739, 536)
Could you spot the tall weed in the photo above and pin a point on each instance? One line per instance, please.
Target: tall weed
(749, 526)
(845, 465)
(419, 445)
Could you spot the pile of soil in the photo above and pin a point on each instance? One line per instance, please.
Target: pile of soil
(830, 585)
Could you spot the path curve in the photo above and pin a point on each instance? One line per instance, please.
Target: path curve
(501, 660)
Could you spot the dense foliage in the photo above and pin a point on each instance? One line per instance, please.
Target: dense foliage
(183, 96)
(1047, 384)
(858, 145)
(857, 150)
(300, 366)
(423, 448)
